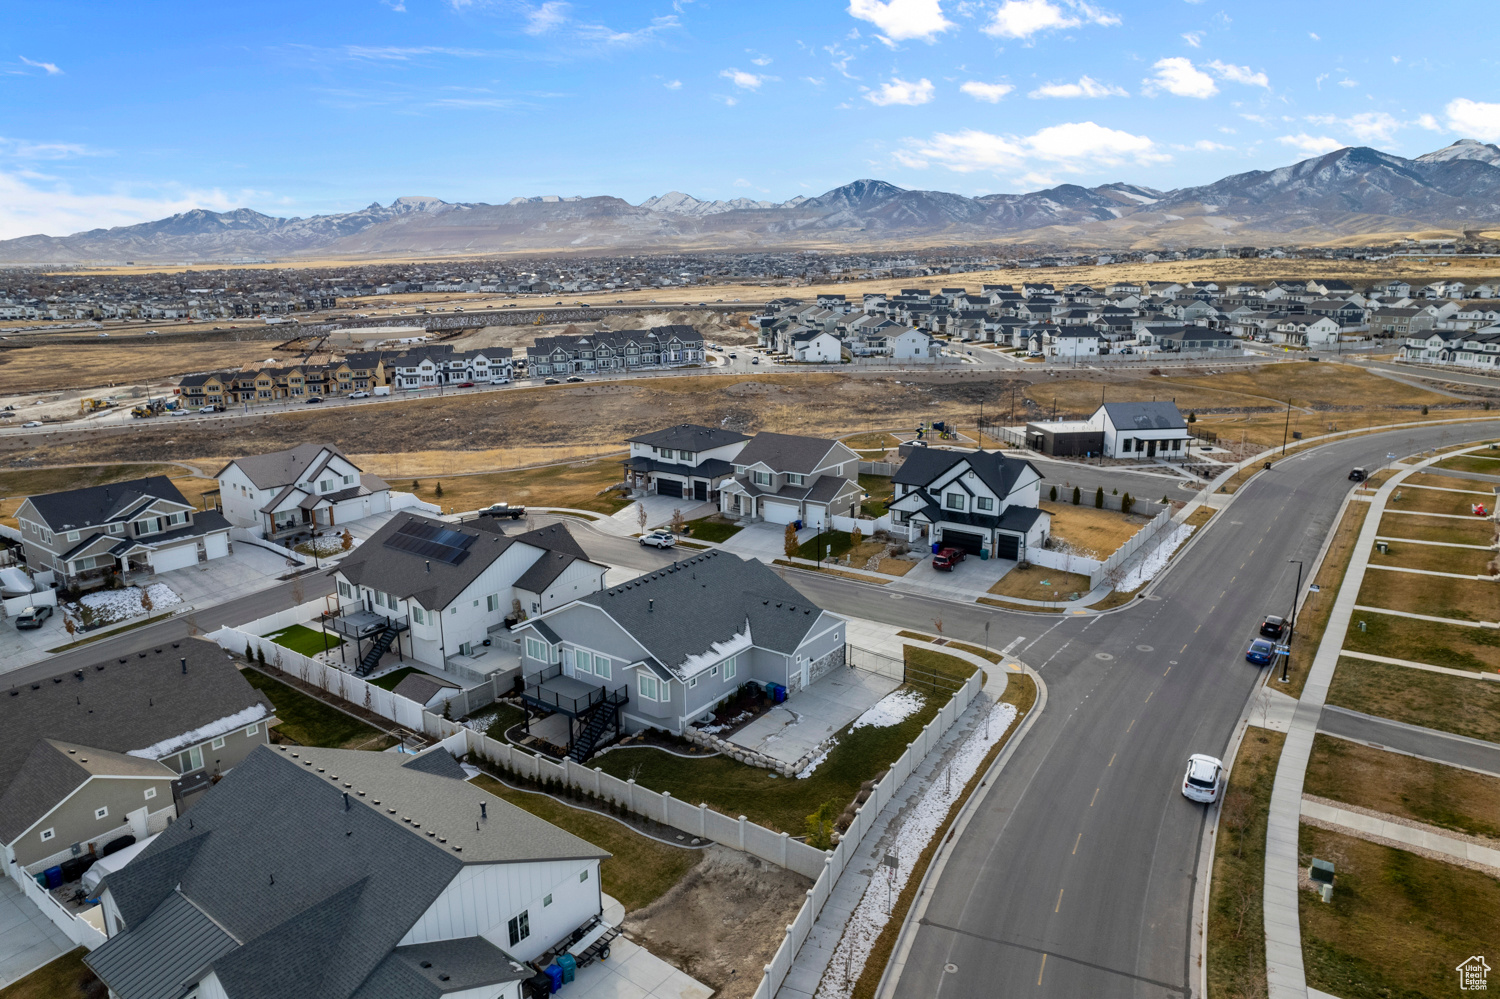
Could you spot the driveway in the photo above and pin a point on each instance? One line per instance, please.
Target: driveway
(248, 569)
(17, 648)
(28, 939)
(633, 972)
(763, 541)
(968, 580)
(659, 511)
(789, 731)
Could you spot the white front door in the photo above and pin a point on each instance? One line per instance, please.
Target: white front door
(137, 821)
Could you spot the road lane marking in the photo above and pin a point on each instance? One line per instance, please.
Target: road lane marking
(1195, 631)
(1058, 906)
(1112, 758)
(1094, 798)
(1169, 669)
(1127, 732)
(1075, 853)
(1183, 649)
(1006, 651)
(1042, 971)
(1148, 697)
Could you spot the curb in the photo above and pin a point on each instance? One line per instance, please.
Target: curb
(890, 978)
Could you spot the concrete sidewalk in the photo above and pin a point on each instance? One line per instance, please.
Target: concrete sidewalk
(1388, 829)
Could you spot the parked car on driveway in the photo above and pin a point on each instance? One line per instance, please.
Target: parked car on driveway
(32, 617)
(1260, 652)
(659, 539)
(1272, 626)
(947, 558)
(1204, 778)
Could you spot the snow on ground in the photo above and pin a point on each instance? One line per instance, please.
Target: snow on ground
(328, 544)
(812, 764)
(1154, 561)
(109, 606)
(892, 709)
(923, 817)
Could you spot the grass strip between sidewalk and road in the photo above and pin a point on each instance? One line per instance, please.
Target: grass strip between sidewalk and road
(1405, 786)
(639, 871)
(1313, 618)
(1236, 949)
(1454, 704)
(1020, 691)
(990, 654)
(1399, 923)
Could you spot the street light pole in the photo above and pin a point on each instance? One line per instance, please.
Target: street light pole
(1291, 628)
(1287, 428)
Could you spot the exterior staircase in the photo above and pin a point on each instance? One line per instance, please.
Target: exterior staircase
(383, 643)
(601, 720)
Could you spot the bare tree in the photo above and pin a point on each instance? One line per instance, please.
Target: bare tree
(640, 516)
(146, 604)
(937, 625)
(348, 540)
(678, 523)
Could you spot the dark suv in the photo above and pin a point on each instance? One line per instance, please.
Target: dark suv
(1272, 626)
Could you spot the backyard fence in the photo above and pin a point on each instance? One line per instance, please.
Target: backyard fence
(77, 929)
(876, 468)
(1146, 535)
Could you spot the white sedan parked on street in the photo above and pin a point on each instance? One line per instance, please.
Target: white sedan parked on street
(1204, 779)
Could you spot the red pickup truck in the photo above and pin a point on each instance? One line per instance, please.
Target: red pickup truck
(947, 558)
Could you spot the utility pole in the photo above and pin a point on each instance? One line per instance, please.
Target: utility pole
(1287, 428)
(1286, 660)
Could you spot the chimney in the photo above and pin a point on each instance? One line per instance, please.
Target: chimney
(346, 801)
(184, 665)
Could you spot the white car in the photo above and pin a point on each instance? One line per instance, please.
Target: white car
(659, 539)
(359, 395)
(1204, 779)
(205, 409)
(32, 423)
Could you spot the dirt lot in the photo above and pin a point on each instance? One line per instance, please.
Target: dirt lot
(1089, 531)
(722, 922)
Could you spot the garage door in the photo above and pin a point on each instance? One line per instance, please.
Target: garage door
(668, 487)
(1007, 546)
(778, 513)
(971, 543)
(180, 557)
(814, 518)
(216, 545)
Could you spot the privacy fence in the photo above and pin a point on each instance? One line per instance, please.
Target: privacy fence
(824, 867)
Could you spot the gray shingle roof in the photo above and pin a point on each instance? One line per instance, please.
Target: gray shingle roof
(279, 468)
(1145, 415)
(430, 970)
(683, 610)
(689, 437)
(53, 770)
(420, 687)
(317, 864)
(76, 508)
(785, 452)
(998, 472)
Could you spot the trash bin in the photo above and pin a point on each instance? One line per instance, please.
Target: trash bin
(778, 692)
(569, 965)
(555, 973)
(538, 986)
(984, 554)
(54, 876)
(936, 546)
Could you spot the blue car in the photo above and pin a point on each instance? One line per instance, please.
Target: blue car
(1260, 652)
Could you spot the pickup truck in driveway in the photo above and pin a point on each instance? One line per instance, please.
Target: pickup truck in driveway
(947, 558)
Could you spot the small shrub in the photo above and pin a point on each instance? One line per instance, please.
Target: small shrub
(1126, 503)
(1099, 499)
(415, 485)
(437, 490)
(1424, 410)
(1077, 495)
(1053, 495)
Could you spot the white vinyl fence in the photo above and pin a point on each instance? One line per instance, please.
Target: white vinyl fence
(252, 536)
(78, 930)
(15, 605)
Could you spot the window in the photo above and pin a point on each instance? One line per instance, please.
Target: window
(985, 503)
(519, 928)
(582, 661)
(536, 650)
(101, 812)
(954, 501)
(648, 687)
(731, 667)
(348, 480)
(762, 478)
(492, 602)
(191, 759)
(583, 875)
(48, 834)
(345, 590)
(693, 682)
(150, 793)
(713, 671)
(218, 743)
(72, 535)
(252, 729)
(685, 455)
(1127, 444)
(546, 901)
(416, 614)
(602, 666)
(793, 479)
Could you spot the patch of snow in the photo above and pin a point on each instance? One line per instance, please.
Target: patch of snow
(109, 606)
(924, 815)
(212, 730)
(812, 764)
(1155, 560)
(892, 709)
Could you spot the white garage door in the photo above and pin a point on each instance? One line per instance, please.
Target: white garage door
(217, 545)
(180, 557)
(814, 518)
(778, 513)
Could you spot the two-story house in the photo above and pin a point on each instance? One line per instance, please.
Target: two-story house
(980, 501)
(688, 460)
(117, 748)
(1116, 430)
(443, 589)
(664, 648)
(299, 490)
(782, 479)
(88, 535)
(345, 875)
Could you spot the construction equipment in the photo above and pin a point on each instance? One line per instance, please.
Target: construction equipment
(86, 406)
(540, 317)
(149, 408)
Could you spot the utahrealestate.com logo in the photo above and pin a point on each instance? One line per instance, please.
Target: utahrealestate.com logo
(1472, 975)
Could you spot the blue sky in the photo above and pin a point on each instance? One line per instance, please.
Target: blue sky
(112, 113)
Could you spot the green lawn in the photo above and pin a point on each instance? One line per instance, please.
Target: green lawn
(817, 546)
(640, 869)
(1454, 704)
(309, 722)
(881, 492)
(713, 528)
(1450, 645)
(308, 642)
(64, 978)
(506, 715)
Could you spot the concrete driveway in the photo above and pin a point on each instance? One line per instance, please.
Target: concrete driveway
(659, 511)
(789, 731)
(763, 541)
(246, 570)
(17, 648)
(28, 939)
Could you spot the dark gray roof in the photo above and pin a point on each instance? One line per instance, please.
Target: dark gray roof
(430, 970)
(280, 468)
(1145, 416)
(420, 687)
(683, 610)
(316, 862)
(785, 452)
(554, 538)
(689, 437)
(433, 583)
(925, 464)
(123, 705)
(164, 955)
(709, 468)
(546, 569)
(76, 508)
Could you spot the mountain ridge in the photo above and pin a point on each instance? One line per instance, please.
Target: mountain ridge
(1346, 192)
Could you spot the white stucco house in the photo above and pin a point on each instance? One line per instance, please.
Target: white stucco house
(913, 345)
(980, 501)
(305, 488)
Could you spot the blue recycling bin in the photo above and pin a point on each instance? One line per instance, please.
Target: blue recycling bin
(555, 973)
(778, 692)
(936, 546)
(54, 876)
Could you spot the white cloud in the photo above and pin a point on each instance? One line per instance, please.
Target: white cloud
(1347, 82)
(901, 20)
(1194, 38)
(25, 149)
(544, 17)
(741, 79)
(606, 35)
(673, 84)
(1024, 18)
(816, 81)
(1367, 126)
(1314, 36)
(762, 60)
(1475, 119)
(1239, 74)
(1429, 122)
(1085, 87)
(50, 67)
(1310, 145)
(28, 207)
(1071, 147)
(899, 91)
(1177, 75)
(1204, 146)
(988, 92)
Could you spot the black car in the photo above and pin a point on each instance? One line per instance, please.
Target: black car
(550, 381)
(314, 398)
(1358, 475)
(575, 378)
(1272, 626)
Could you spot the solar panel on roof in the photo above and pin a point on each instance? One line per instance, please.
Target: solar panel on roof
(431, 541)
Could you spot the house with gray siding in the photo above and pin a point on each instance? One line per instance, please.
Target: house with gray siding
(781, 478)
(115, 749)
(344, 874)
(661, 650)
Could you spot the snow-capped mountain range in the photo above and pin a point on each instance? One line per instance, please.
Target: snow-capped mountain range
(1348, 192)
